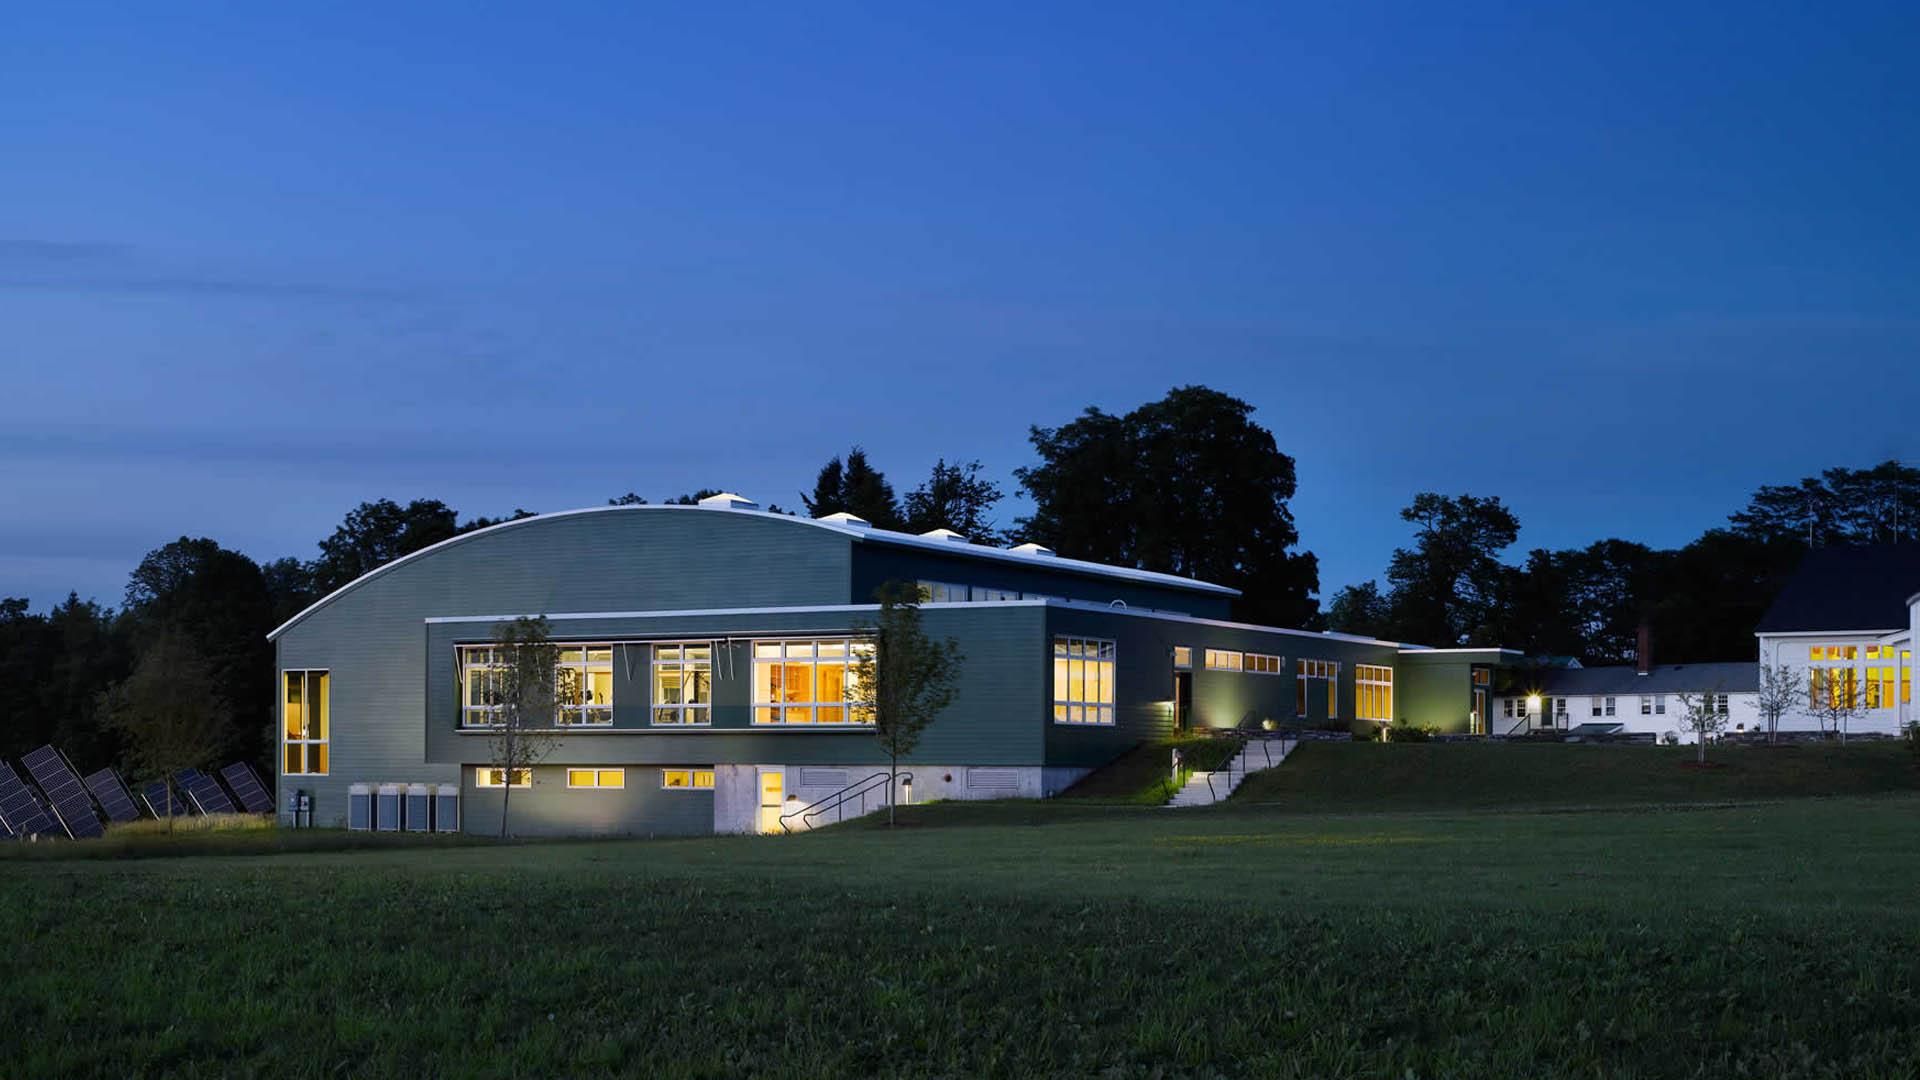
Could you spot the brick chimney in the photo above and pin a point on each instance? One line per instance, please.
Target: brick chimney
(1643, 649)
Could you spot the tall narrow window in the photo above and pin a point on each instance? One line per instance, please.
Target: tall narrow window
(1374, 687)
(682, 682)
(304, 723)
(1082, 681)
(810, 682)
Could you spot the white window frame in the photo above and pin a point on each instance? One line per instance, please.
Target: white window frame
(1100, 655)
(598, 774)
(307, 743)
(1378, 677)
(1263, 663)
(483, 777)
(1611, 702)
(857, 711)
(464, 667)
(1225, 660)
(691, 714)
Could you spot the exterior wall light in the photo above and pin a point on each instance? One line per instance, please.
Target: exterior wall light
(1533, 704)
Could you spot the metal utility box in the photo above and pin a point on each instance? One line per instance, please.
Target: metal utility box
(446, 809)
(419, 808)
(360, 807)
(386, 808)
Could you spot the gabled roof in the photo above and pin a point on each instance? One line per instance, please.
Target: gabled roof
(1039, 559)
(1847, 589)
(1731, 678)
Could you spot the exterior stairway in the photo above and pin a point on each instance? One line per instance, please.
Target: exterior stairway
(1207, 788)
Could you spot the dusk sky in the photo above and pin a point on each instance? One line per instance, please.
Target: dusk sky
(1617, 264)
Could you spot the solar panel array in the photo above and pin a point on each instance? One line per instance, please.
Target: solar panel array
(20, 809)
(71, 803)
(204, 792)
(247, 787)
(112, 795)
(155, 794)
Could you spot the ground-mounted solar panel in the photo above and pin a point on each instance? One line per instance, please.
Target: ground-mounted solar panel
(71, 803)
(247, 788)
(20, 809)
(112, 795)
(155, 793)
(204, 792)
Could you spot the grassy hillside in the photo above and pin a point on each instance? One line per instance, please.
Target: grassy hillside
(1762, 940)
(1492, 776)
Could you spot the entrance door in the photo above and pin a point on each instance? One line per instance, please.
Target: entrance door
(1479, 724)
(1183, 700)
(772, 799)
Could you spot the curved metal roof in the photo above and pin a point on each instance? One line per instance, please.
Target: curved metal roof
(862, 533)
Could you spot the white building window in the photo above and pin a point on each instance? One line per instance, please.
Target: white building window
(1611, 704)
(582, 690)
(810, 682)
(1225, 660)
(682, 682)
(596, 778)
(1182, 656)
(1373, 686)
(1082, 681)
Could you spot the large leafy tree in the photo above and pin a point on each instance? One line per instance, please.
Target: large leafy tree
(1875, 505)
(1447, 586)
(376, 533)
(1582, 602)
(853, 487)
(216, 601)
(172, 709)
(1185, 485)
(954, 497)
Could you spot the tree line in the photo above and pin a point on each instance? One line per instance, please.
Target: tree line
(1188, 484)
(1451, 587)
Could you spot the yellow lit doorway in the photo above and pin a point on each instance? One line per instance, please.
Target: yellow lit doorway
(772, 799)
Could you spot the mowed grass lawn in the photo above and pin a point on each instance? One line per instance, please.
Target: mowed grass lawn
(1262, 938)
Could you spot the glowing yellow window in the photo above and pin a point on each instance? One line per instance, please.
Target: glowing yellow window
(497, 778)
(596, 778)
(686, 778)
(304, 723)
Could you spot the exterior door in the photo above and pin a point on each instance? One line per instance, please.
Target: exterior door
(1479, 722)
(1183, 700)
(772, 799)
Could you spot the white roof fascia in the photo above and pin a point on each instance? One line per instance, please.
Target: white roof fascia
(853, 531)
(669, 613)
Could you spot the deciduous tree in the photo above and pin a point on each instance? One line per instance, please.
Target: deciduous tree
(1186, 485)
(171, 710)
(910, 677)
(954, 497)
(1446, 587)
(1776, 694)
(1700, 714)
(521, 687)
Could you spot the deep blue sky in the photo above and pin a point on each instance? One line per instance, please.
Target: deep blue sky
(1618, 264)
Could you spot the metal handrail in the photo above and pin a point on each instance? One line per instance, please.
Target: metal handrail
(859, 788)
(1245, 740)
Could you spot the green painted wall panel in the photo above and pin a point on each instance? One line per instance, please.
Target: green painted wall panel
(549, 807)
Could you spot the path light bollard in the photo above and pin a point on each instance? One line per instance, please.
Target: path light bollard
(1176, 767)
